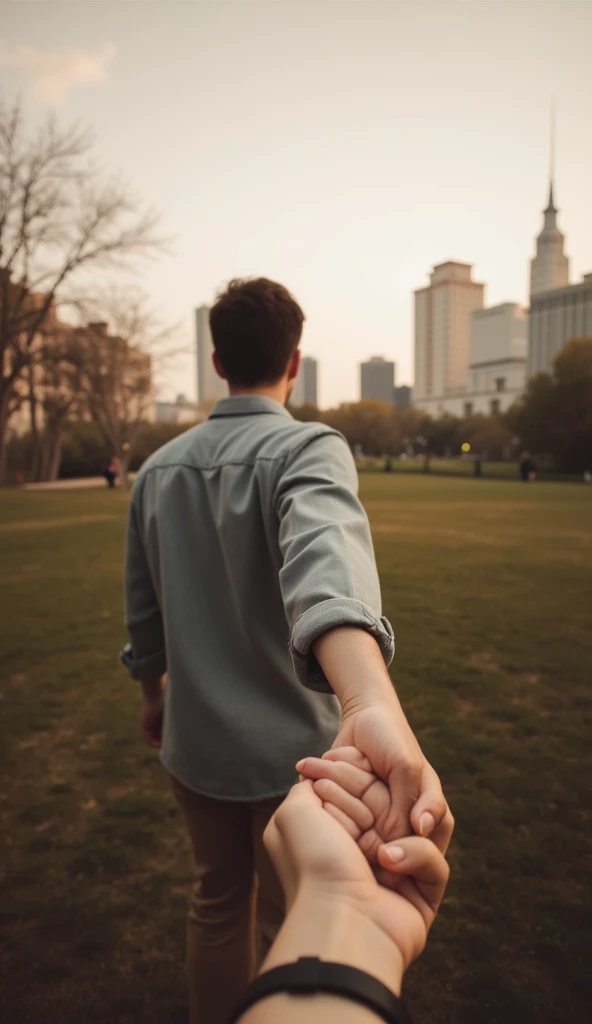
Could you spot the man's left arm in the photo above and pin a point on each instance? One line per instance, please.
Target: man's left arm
(145, 655)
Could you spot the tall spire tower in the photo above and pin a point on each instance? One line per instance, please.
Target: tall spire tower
(551, 206)
(550, 267)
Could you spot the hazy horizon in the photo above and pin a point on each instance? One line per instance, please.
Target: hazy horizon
(343, 148)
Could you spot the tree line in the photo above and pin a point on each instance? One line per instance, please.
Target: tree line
(552, 419)
(381, 429)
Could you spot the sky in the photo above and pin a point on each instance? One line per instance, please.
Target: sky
(342, 147)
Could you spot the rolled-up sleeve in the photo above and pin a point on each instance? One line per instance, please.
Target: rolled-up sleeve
(145, 656)
(329, 576)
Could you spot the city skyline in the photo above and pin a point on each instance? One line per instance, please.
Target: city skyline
(344, 170)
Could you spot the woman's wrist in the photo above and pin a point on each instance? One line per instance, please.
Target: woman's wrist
(329, 925)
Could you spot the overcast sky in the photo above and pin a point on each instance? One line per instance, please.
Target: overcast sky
(342, 148)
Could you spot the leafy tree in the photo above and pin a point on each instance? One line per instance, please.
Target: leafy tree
(441, 435)
(373, 426)
(306, 413)
(554, 416)
(489, 436)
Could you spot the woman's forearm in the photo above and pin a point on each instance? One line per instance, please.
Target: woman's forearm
(332, 930)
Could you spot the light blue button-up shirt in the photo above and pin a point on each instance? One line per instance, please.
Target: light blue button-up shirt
(246, 541)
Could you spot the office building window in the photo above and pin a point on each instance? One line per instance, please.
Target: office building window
(468, 408)
(500, 383)
(495, 407)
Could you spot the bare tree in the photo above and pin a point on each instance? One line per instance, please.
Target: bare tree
(117, 353)
(61, 401)
(59, 219)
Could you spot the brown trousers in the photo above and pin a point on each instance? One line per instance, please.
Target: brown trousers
(236, 894)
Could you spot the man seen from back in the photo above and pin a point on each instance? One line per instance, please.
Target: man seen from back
(251, 586)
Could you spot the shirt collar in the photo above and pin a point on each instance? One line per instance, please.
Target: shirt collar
(247, 405)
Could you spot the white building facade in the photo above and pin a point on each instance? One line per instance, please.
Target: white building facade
(377, 379)
(442, 332)
(496, 373)
(179, 411)
(305, 390)
(499, 343)
(210, 387)
(555, 317)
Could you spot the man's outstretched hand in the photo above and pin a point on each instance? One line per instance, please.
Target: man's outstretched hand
(374, 723)
(360, 802)
(383, 735)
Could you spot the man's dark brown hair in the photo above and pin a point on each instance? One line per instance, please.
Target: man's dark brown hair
(256, 327)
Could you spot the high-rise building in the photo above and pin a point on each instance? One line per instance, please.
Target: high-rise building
(305, 390)
(550, 267)
(210, 387)
(555, 317)
(442, 330)
(403, 396)
(377, 379)
(558, 311)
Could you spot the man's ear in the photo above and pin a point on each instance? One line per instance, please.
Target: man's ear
(294, 365)
(218, 366)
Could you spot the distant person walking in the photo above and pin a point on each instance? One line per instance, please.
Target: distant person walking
(528, 469)
(110, 473)
(251, 583)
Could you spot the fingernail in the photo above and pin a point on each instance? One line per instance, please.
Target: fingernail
(395, 853)
(427, 823)
(299, 765)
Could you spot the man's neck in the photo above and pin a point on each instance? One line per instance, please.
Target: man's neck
(279, 392)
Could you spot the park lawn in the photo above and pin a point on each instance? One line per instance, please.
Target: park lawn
(489, 587)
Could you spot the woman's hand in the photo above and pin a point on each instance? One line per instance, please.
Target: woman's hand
(352, 794)
(316, 857)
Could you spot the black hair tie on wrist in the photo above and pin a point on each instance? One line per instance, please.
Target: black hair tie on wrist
(309, 976)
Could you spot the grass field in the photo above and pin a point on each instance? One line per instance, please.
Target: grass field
(489, 586)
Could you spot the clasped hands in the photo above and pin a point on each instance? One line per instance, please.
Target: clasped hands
(331, 846)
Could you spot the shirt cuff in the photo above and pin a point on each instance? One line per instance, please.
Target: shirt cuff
(152, 666)
(337, 611)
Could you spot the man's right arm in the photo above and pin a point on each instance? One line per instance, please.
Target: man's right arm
(340, 641)
(329, 577)
(374, 722)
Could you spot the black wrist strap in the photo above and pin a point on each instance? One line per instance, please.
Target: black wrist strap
(310, 975)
